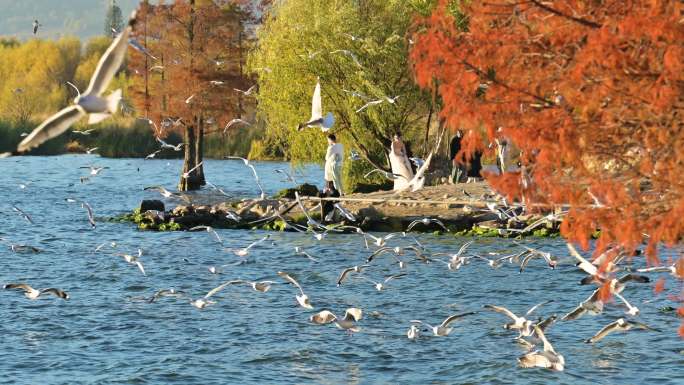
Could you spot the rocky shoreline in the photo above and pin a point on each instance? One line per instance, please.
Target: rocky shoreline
(464, 209)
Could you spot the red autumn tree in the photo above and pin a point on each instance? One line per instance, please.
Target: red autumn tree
(591, 92)
(196, 50)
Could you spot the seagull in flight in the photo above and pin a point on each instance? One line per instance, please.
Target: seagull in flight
(94, 171)
(354, 269)
(84, 132)
(23, 214)
(247, 92)
(177, 147)
(32, 293)
(300, 251)
(165, 293)
(317, 119)
(91, 101)
(619, 325)
(379, 286)
(289, 177)
(203, 302)
(426, 222)
(520, 323)
(350, 54)
(234, 122)
(186, 175)
(384, 173)
(134, 260)
(302, 299)
(254, 172)
(210, 230)
(245, 251)
(443, 329)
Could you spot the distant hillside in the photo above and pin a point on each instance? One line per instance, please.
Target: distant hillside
(81, 18)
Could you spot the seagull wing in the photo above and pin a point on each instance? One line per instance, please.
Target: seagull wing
(533, 308)
(52, 127)
(378, 252)
(344, 275)
(141, 267)
(575, 313)
(502, 310)
(526, 260)
(613, 326)
(21, 286)
(56, 292)
(316, 108)
(110, 62)
(463, 248)
(656, 269)
(410, 226)
(454, 317)
(89, 210)
(291, 280)
(395, 276)
(221, 287)
(583, 263)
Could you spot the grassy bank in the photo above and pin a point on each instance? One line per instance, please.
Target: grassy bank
(125, 138)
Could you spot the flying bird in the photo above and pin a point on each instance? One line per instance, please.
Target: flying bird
(443, 329)
(426, 222)
(91, 102)
(520, 323)
(620, 325)
(134, 260)
(234, 122)
(23, 214)
(246, 93)
(317, 119)
(355, 269)
(302, 299)
(210, 230)
(32, 293)
(254, 172)
(186, 174)
(36, 24)
(379, 286)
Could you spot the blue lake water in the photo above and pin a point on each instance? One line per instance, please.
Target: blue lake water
(106, 333)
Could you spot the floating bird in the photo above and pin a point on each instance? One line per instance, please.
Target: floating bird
(620, 325)
(23, 214)
(186, 174)
(245, 251)
(355, 269)
(426, 222)
(254, 172)
(235, 121)
(32, 293)
(302, 299)
(520, 323)
(210, 230)
(90, 103)
(443, 329)
(379, 286)
(134, 260)
(547, 358)
(246, 93)
(317, 119)
(413, 333)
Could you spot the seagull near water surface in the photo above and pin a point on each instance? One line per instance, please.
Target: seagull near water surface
(91, 102)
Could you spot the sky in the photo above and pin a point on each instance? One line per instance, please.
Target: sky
(80, 18)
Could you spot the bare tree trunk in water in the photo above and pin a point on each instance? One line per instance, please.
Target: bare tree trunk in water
(192, 182)
(199, 151)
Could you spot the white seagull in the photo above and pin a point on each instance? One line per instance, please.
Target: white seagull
(620, 325)
(379, 286)
(246, 93)
(302, 299)
(443, 329)
(91, 102)
(235, 121)
(134, 260)
(547, 358)
(254, 172)
(32, 293)
(426, 222)
(520, 323)
(245, 251)
(317, 119)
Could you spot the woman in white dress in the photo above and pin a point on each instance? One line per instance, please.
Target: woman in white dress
(333, 163)
(400, 163)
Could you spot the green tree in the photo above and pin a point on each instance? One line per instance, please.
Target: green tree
(353, 47)
(113, 19)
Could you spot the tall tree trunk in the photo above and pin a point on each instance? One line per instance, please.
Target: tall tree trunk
(199, 151)
(192, 182)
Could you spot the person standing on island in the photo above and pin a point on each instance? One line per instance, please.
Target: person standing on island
(400, 163)
(333, 163)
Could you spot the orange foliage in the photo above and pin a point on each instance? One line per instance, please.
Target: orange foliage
(200, 50)
(591, 92)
